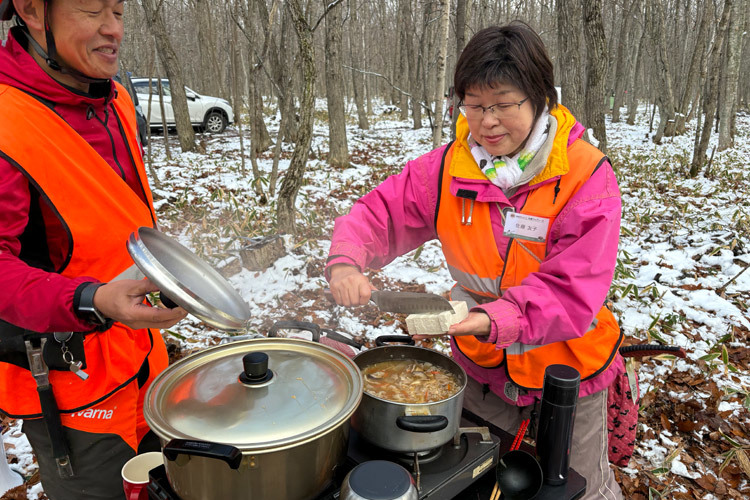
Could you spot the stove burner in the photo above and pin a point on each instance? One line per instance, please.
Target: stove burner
(424, 457)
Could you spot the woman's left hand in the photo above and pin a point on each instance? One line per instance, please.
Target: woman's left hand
(476, 323)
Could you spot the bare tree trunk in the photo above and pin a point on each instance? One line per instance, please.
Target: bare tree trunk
(150, 162)
(356, 45)
(664, 90)
(261, 140)
(285, 114)
(404, 50)
(164, 128)
(237, 100)
(703, 134)
(417, 82)
(460, 42)
(569, 40)
(693, 73)
(293, 180)
(212, 80)
(171, 65)
(621, 67)
(731, 77)
(437, 131)
(635, 79)
(338, 155)
(596, 69)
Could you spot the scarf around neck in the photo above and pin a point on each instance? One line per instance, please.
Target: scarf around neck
(505, 171)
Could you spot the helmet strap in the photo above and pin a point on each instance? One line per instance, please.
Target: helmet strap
(50, 57)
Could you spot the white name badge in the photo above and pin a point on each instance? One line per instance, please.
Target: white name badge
(525, 227)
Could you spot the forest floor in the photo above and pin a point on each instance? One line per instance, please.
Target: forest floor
(679, 280)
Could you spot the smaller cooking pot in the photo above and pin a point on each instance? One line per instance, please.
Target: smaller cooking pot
(408, 427)
(519, 475)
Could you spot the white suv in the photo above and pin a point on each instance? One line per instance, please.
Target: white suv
(212, 114)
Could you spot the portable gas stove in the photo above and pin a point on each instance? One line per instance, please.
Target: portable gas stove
(462, 468)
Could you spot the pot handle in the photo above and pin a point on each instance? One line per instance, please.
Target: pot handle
(400, 339)
(167, 302)
(295, 325)
(422, 423)
(228, 453)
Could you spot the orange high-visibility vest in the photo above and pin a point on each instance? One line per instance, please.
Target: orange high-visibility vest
(99, 211)
(474, 260)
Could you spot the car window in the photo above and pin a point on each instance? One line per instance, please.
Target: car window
(164, 86)
(142, 87)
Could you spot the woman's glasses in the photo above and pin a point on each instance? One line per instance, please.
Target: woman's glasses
(501, 110)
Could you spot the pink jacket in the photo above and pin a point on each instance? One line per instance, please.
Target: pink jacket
(558, 304)
(32, 241)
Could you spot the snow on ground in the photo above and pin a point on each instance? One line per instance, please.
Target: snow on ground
(684, 244)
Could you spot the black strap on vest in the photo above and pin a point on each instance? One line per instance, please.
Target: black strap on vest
(50, 411)
(440, 181)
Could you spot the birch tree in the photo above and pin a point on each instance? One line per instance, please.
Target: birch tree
(437, 131)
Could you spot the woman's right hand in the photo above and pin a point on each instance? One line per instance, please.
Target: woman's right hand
(349, 286)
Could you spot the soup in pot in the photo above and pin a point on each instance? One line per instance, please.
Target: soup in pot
(409, 381)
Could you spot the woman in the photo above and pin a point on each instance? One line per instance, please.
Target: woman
(528, 216)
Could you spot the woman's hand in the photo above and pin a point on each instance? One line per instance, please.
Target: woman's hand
(122, 301)
(349, 286)
(476, 323)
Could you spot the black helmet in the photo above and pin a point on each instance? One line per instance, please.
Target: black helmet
(6, 10)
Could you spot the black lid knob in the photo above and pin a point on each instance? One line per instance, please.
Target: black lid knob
(255, 365)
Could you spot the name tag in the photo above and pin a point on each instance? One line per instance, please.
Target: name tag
(525, 227)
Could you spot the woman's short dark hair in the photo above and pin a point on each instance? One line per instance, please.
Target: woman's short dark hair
(512, 54)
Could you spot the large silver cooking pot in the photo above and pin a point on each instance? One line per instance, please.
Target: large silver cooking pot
(256, 419)
(406, 427)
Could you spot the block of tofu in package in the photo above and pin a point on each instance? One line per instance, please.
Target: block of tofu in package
(438, 322)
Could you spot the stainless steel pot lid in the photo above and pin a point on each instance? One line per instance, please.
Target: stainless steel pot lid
(313, 389)
(187, 280)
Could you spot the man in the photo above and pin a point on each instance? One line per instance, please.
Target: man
(72, 189)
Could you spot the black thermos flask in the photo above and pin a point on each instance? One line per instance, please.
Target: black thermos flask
(556, 417)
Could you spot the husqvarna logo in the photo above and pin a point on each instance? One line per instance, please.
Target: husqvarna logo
(97, 414)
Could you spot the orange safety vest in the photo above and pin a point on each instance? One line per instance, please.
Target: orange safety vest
(99, 211)
(475, 262)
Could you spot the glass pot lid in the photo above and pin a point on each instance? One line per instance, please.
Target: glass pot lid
(216, 395)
